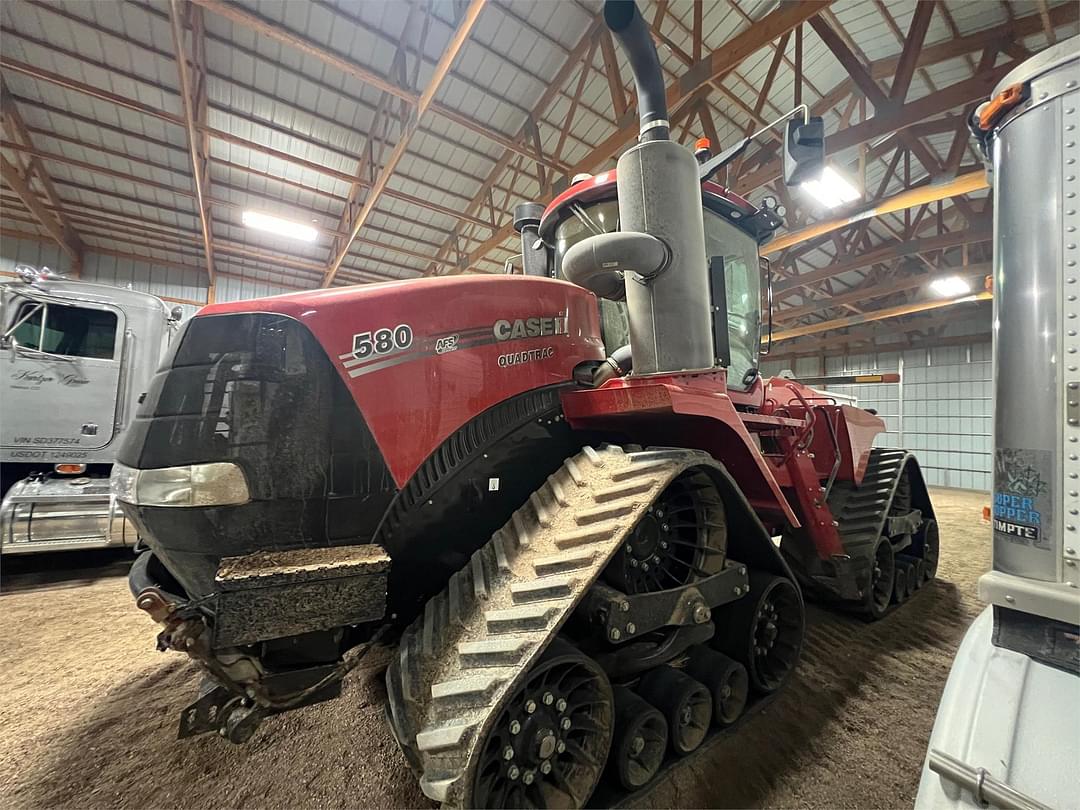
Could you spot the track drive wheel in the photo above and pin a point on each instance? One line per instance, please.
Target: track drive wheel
(641, 739)
(685, 704)
(882, 580)
(550, 743)
(764, 630)
(725, 679)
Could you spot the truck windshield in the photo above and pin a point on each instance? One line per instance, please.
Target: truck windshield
(70, 331)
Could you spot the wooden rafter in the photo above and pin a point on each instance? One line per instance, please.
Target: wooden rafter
(20, 176)
(613, 73)
(882, 253)
(193, 94)
(875, 315)
(576, 56)
(457, 42)
(878, 289)
(369, 160)
(684, 91)
(909, 54)
(238, 15)
(857, 70)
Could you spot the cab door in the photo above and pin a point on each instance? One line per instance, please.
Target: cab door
(61, 371)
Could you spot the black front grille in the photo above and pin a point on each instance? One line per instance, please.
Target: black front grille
(257, 390)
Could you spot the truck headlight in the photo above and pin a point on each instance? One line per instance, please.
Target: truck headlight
(218, 484)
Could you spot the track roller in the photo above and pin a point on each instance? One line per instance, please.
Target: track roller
(920, 570)
(763, 631)
(725, 679)
(914, 575)
(641, 740)
(685, 704)
(929, 542)
(879, 593)
(902, 585)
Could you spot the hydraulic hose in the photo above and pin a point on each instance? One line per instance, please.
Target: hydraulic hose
(625, 22)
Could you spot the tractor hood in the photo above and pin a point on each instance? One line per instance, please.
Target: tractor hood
(421, 357)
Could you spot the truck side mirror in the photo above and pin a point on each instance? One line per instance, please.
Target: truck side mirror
(804, 150)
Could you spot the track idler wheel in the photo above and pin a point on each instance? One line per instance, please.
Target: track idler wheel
(551, 740)
(725, 679)
(685, 704)
(763, 630)
(641, 740)
(883, 574)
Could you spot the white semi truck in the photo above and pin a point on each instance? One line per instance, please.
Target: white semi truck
(74, 359)
(1007, 733)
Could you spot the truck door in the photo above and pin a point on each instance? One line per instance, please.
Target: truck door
(61, 376)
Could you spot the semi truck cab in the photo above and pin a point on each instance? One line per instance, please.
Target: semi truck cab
(74, 359)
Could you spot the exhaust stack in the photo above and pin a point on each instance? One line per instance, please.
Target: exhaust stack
(660, 197)
(625, 23)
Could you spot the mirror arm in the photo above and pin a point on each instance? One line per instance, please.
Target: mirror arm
(713, 165)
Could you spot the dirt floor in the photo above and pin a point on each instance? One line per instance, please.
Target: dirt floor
(88, 708)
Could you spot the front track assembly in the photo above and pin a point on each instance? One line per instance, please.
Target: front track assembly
(494, 708)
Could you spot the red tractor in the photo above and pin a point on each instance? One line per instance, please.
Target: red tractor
(456, 464)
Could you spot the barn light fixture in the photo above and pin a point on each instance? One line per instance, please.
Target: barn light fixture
(950, 286)
(831, 189)
(279, 226)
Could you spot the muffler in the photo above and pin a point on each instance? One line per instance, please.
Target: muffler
(667, 284)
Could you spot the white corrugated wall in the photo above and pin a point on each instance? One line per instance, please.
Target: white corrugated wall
(941, 410)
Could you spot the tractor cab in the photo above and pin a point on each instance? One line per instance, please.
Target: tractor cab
(734, 230)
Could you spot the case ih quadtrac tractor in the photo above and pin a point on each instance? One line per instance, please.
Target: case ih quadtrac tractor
(456, 464)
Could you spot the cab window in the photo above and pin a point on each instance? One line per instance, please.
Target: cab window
(68, 331)
(742, 286)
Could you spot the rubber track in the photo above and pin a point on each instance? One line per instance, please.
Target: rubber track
(460, 660)
(861, 511)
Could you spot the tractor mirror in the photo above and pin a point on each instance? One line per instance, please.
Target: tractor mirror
(804, 150)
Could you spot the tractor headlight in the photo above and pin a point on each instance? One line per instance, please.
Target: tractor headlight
(217, 484)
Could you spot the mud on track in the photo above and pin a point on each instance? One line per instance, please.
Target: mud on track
(88, 708)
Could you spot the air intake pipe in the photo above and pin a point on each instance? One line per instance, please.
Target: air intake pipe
(534, 253)
(667, 285)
